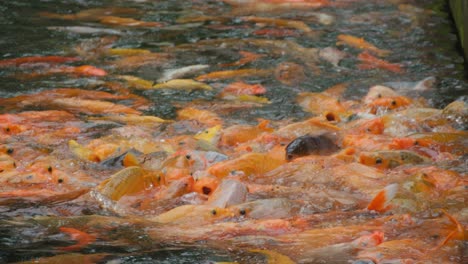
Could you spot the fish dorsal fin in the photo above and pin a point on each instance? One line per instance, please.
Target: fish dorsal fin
(380, 201)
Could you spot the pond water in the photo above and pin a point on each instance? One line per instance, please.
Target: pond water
(286, 48)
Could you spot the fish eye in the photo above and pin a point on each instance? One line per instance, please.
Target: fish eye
(378, 161)
(242, 212)
(188, 157)
(379, 96)
(49, 169)
(213, 212)
(394, 103)
(7, 129)
(9, 151)
(60, 180)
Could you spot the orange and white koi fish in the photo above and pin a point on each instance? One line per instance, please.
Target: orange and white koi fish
(381, 200)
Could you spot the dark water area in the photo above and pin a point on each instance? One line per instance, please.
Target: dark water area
(420, 36)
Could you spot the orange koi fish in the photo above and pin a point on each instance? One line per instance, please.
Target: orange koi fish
(205, 184)
(250, 163)
(389, 103)
(246, 58)
(290, 73)
(237, 134)
(83, 239)
(129, 22)
(360, 43)
(203, 116)
(375, 126)
(36, 59)
(242, 88)
(85, 70)
(276, 32)
(299, 25)
(371, 62)
(92, 106)
(319, 102)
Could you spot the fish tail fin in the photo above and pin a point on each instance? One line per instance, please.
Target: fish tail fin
(83, 239)
(459, 232)
(380, 201)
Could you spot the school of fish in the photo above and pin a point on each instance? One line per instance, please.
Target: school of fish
(379, 178)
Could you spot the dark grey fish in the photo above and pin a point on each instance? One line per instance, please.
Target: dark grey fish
(307, 145)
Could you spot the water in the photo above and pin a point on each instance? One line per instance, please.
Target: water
(422, 40)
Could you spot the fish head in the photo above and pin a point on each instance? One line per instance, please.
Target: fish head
(210, 135)
(374, 159)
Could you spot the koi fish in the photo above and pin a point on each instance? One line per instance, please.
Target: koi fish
(85, 70)
(203, 116)
(183, 84)
(185, 214)
(83, 239)
(250, 163)
(319, 102)
(132, 119)
(182, 72)
(296, 24)
(229, 74)
(371, 62)
(129, 181)
(205, 184)
(389, 103)
(332, 55)
(137, 83)
(238, 134)
(306, 145)
(377, 92)
(381, 200)
(247, 57)
(209, 137)
(312, 126)
(360, 43)
(290, 73)
(127, 52)
(241, 88)
(87, 30)
(92, 106)
(228, 193)
(36, 59)
(276, 32)
(126, 21)
(390, 159)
